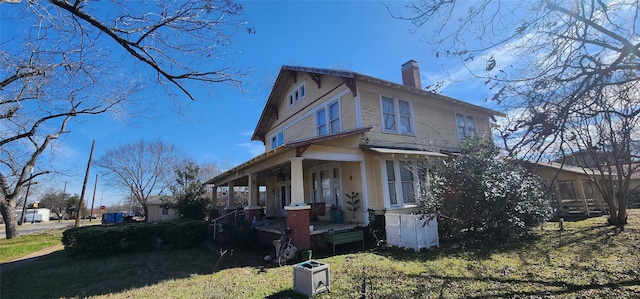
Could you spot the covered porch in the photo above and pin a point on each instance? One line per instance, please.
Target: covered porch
(574, 192)
(298, 186)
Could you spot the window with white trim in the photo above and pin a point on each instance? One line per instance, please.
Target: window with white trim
(466, 126)
(406, 181)
(297, 94)
(328, 119)
(397, 115)
(277, 140)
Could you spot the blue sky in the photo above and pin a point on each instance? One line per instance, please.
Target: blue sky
(359, 36)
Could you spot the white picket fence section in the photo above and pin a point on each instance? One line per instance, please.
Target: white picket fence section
(412, 231)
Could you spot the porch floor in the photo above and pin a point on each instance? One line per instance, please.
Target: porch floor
(278, 225)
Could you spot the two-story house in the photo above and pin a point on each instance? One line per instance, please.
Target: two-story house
(332, 133)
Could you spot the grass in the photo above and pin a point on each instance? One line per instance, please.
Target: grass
(587, 260)
(18, 247)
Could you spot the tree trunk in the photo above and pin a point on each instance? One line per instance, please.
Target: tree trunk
(622, 209)
(145, 208)
(612, 204)
(622, 215)
(618, 211)
(10, 220)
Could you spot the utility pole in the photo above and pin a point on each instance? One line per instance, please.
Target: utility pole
(84, 185)
(95, 186)
(64, 194)
(26, 196)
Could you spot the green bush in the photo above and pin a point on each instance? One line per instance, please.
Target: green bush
(109, 240)
(116, 239)
(482, 197)
(183, 233)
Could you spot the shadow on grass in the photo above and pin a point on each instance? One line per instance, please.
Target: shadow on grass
(59, 276)
(477, 252)
(549, 289)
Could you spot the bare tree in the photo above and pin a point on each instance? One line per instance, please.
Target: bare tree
(53, 199)
(553, 66)
(143, 167)
(65, 60)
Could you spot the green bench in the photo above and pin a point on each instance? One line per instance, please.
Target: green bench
(343, 237)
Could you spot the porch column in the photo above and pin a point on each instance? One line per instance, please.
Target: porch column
(582, 196)
(214, 202)
(231, 198)
(231, 204)
(298, 211)
(253, 209)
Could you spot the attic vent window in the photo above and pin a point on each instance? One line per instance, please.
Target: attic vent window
(297, 94)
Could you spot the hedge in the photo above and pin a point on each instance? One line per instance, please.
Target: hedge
(117, 239)
(183, 233)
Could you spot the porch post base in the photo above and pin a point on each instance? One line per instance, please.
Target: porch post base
(298, 222)
(252, 211)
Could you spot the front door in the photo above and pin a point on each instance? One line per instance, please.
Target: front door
(283, 198)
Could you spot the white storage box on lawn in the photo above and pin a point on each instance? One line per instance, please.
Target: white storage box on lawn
(310, 278)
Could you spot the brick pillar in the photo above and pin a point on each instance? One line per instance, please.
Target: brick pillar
(298, 222)
(298, 210)
(250, 212)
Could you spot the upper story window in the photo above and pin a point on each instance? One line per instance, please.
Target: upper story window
(277, 140)
(396, 116)
(297, 94)
(328, 119)
(466, 126)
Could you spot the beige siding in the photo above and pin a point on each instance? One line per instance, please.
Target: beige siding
(155, 214)
(351, 142)
(304, 129)
(348, 112)
(298, 121)
(352, 182)
(374, 182)
(433, 120)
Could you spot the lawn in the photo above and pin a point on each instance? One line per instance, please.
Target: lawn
(15, 248)
(586, 260)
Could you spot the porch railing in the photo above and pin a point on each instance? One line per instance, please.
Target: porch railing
(214, 223)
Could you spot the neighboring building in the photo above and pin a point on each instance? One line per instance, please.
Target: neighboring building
(328, 133)
(34, 215)
(581, 195)
(157, 210)
(574, 192)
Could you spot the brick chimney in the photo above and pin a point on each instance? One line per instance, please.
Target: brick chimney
(411, 74)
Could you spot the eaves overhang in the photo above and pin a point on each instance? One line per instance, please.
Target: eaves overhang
(400, 151)
(288, 72)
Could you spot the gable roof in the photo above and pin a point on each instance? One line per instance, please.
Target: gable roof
(288, 73)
